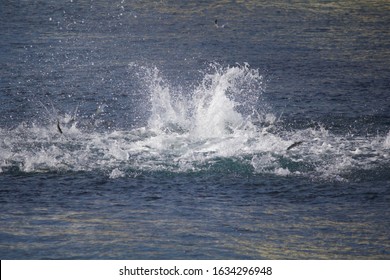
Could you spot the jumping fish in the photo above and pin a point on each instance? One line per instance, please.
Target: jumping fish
(294, 145)
(59, 127)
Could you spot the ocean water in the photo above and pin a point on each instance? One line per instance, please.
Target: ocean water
(143, 130)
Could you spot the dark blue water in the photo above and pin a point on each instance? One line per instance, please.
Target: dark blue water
(142, 130)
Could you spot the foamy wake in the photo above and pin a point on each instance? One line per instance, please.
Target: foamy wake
(221, 120)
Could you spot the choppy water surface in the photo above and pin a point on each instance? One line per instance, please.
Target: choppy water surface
(143, 130)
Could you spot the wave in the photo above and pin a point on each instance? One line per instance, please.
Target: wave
(220, 124)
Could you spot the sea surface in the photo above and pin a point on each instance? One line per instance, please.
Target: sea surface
(149, 130)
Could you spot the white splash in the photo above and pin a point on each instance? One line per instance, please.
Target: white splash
(386, 143)
(211, 109)
(223, 116)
